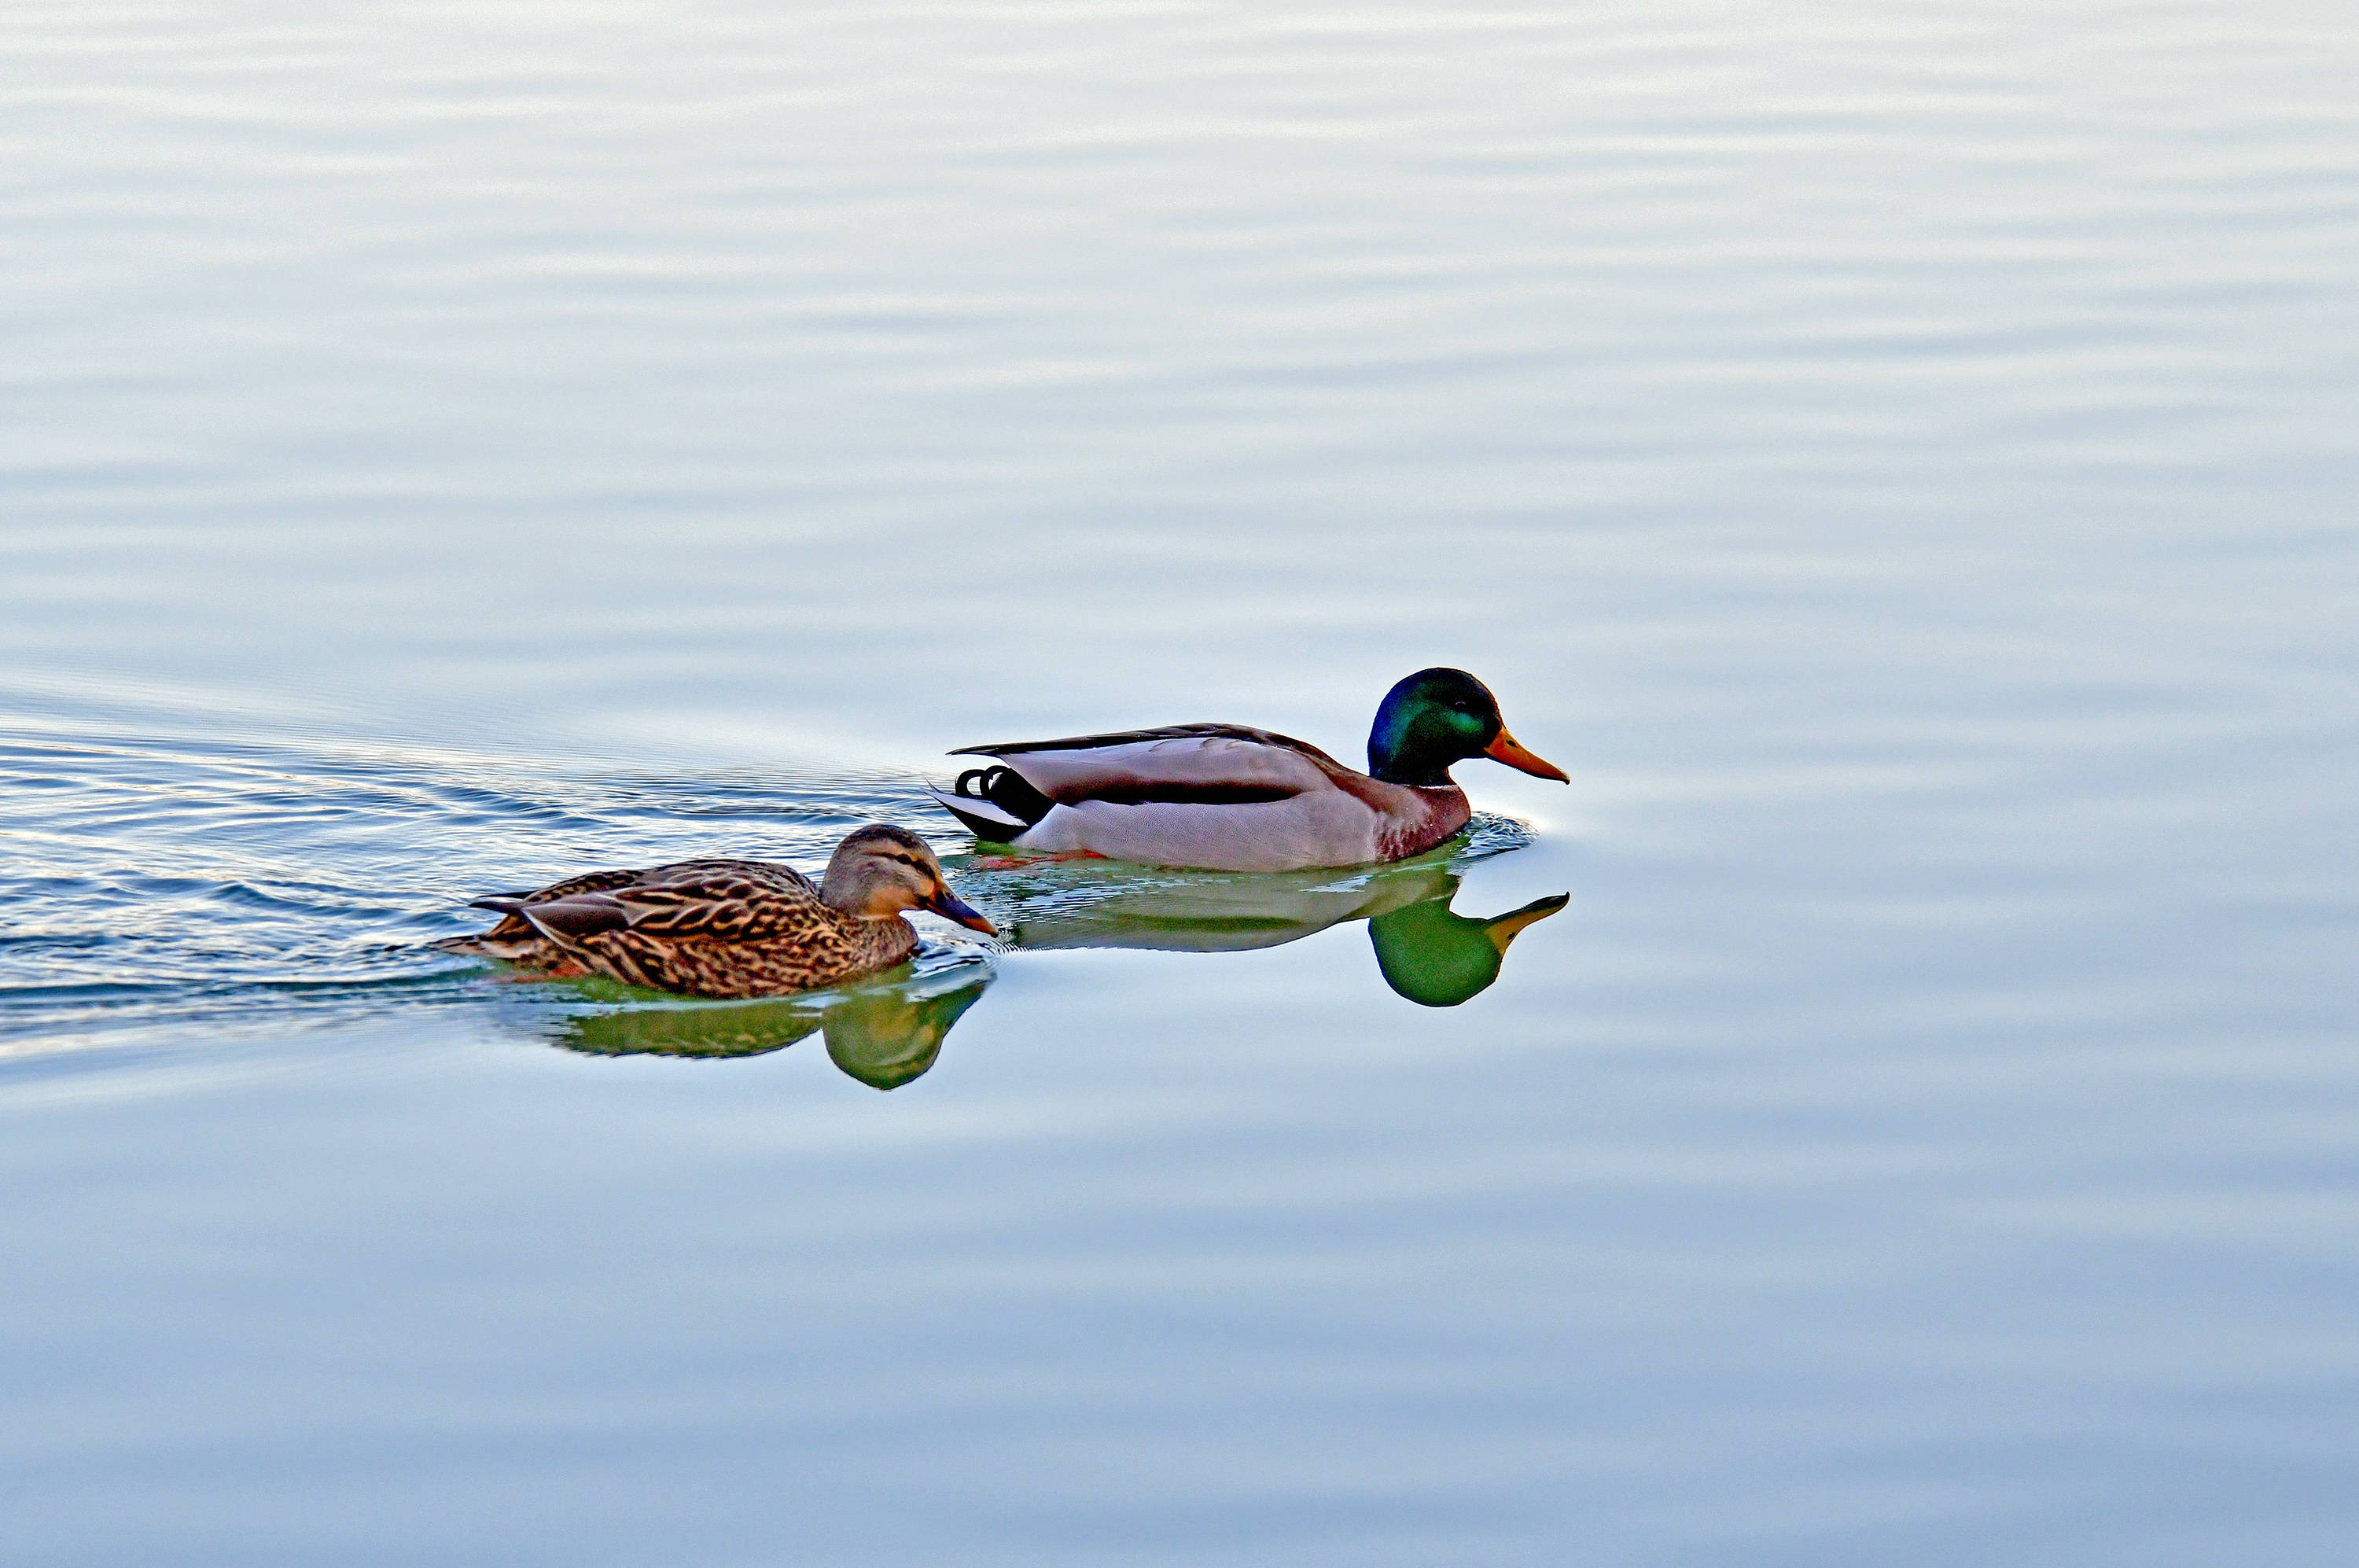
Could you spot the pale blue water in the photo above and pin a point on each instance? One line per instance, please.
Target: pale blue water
(1899, 460)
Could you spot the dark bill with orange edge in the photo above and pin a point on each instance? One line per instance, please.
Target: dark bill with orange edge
(1510, 750)
(951, 906)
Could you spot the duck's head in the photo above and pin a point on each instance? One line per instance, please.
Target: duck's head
(879, 870)
(1436, 717)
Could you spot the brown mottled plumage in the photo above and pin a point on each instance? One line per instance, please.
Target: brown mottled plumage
(728, 928)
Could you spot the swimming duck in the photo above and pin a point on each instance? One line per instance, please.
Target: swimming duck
(1230, 797)
(728, 928)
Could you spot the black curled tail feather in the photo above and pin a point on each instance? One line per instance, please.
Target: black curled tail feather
(1006, 789)
(995, 803)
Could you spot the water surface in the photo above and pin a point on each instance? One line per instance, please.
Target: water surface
(1898, 459)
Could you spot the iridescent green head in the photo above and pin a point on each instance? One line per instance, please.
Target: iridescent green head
(1436, 717)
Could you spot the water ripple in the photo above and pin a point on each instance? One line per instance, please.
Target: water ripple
(237, 878)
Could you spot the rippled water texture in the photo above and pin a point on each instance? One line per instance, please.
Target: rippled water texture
(1897, 1105)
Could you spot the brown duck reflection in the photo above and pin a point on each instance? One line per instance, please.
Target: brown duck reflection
(882, 1035)
(1426, 951)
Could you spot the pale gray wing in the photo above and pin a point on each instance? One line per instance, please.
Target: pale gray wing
(1209, 765)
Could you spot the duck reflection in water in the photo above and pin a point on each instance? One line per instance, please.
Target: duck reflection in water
(886, 1034)
(1426, 952)
(882, 1035)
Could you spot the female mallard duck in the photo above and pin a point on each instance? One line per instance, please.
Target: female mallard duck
(728, 928)
(1232, 799)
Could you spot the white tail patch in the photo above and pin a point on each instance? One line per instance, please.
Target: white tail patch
(978, 809)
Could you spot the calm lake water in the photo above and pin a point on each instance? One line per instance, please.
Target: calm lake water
(1899, 460)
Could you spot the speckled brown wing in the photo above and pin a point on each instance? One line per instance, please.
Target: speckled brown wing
(717, 900)
(513, 940)
(588, 882)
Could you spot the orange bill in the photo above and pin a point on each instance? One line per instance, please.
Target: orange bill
(1509, 750)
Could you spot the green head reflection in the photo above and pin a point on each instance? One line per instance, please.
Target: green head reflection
(1439, 959)
(882, 1035)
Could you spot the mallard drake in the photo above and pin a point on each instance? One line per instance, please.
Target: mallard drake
(1230, 797)
(728, 928)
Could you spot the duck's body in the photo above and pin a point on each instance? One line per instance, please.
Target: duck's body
(1220, 796)
(1232, 798)
(728, 928)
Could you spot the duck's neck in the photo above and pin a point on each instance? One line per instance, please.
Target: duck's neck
(1435, 776)
(1397, 758)
(879, 942)
(1411, 744)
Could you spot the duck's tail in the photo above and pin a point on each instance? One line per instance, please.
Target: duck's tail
(513, 941)
(995, 804)
(527, 948)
